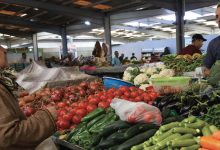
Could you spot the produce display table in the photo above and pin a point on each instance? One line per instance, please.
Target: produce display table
(116, 72)
(63, 145)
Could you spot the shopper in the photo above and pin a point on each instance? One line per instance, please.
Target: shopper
(133, 57)
(23, 58)
(16, 131)
(121, 58)
(213, 52)
(197, 42)
(115, 60)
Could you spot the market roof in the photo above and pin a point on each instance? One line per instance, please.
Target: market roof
(24, 17)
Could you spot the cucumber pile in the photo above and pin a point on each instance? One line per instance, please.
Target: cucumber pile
(182, 135)
(122, 135)
(95, 122)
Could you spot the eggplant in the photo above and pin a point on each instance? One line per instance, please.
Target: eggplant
(172, 105)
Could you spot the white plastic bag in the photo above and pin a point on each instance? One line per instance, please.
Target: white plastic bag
(136, 111)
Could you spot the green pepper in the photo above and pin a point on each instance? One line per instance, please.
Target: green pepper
(93, 114)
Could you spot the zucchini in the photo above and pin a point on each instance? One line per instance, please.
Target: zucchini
(213, 128)
(169, 126)
(118, 136)
(149, 147)
(196, 125)
(163, 136)
(190, 119)
(94, 121)
(193, 147)
(183, 130)
(206, 131)
(93, 114)
(138, 147)
(185, 136)
(162, 144)
(140, 138)
(183, 143)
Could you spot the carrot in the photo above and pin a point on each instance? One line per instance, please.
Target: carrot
(216, 135)
(210, 143)
(203, 149)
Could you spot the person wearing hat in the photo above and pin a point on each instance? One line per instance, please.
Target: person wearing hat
(197, 42)
(213, 50)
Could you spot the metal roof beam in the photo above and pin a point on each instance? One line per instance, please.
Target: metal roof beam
(147, 31)
(16, 33)
(162, 4)
(34, 25)
(59, 9)
(131, 16)
(192, 4)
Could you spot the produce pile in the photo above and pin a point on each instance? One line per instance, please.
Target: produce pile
(189, 102)
(92, 124)
(183, 63)
(140, 75)
(75, 102)
(182, 135)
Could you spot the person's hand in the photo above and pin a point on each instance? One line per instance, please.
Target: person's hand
(53, 111)
(207, 72)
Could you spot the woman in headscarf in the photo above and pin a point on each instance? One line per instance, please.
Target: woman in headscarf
(16, 131)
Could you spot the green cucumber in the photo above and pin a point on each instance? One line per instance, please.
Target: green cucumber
(140, 138)
(172, 119)
(206, 131)
(163, 136)
(94, 121)
(213, 128)
(185, 136)
(149, 147)
(133, 130)
(183, 143)
(93, 114)
(183, 130)
(169, 126)
(138, 147)
(193, 147)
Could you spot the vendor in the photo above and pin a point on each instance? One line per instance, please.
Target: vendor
(16, 131)
(213, 51)
(115, 60)
(197, 42)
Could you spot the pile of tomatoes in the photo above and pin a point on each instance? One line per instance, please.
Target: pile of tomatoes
(71, 115)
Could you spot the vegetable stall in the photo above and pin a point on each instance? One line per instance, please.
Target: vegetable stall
(160, 109)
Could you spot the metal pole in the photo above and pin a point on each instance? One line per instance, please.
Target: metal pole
(107, 27)
(64, 41)
(180, 12)
(35, 47)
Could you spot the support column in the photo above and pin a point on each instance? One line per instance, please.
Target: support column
(180, 12)
(107, 28)
(35, 47)
(64, 41)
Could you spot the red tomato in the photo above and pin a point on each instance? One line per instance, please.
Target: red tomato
(103, 98)
(127, 94)
(73, 111)
(132, 118)
(62, 112)
(91, 107)
(82, 105)
(61, 104)
(94, 101)
(134, 94)
(117, 93)
(81, 112)
(146, 97)
(74, 104)
(82, 92)
(55, 97)
(63, 124)
(138, 99)
(103, 104)
(124, 89)
(109, 100)
(132, 88)
(153, 95)
(76, 119)
(147, 118)
(67, 117)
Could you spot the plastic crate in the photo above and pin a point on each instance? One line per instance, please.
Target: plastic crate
(110, 82)
(167, 85)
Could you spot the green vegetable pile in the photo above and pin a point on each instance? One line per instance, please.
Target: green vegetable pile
(213, 115)
(181, 65)
(122, 135)
(83, 134)
(176, 135)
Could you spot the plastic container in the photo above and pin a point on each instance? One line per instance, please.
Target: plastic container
(167, 85)
(110, 82)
